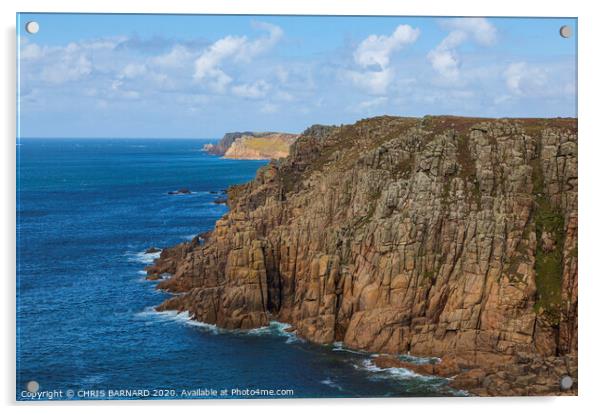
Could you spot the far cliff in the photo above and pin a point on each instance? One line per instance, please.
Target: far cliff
(252, 145)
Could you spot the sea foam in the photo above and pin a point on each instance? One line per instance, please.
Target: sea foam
(143, 257)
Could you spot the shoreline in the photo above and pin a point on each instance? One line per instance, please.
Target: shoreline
(277, 328)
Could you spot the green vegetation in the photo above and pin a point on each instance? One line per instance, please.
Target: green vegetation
(548, 261)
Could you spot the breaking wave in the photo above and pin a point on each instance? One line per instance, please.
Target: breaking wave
(143, 257)
(332, 384)
(275, 328)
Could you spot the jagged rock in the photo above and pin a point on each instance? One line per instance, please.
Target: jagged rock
(440, 236)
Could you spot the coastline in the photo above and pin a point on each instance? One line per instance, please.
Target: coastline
(257, 206)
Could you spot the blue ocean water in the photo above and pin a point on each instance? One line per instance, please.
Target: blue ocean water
(87, 209)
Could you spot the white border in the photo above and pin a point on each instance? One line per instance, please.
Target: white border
(590, 158)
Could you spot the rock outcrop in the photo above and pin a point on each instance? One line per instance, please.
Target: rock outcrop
(252, 145)
(439, 236)
(525, 375)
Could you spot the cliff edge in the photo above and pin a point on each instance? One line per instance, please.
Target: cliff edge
(438, 236)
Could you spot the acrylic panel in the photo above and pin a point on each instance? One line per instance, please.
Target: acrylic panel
(247, 206)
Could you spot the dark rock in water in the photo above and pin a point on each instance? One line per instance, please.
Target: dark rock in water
(220, 200)
(180, 191)
(152, 250)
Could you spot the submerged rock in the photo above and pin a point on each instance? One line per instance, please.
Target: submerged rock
(180, 191)
(220, 200)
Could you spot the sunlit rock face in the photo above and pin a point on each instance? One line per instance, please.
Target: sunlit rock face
(436, 236)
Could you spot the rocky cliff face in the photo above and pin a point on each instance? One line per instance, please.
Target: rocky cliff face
(252, 145)
(439, 236)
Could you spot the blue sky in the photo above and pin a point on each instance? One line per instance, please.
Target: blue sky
(193, 76)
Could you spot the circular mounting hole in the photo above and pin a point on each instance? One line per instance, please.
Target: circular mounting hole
(566, 31)
(32, 27)
(566, 382)
(33, 386)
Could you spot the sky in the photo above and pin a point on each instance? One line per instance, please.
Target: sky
(200, 76)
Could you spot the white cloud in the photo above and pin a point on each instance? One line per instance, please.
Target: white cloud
(60, 64)
(268, 108)
(208, 66)
(133, 70)
(118, 91)
(374, 82)
(479, 28)
(71, 67)
(371, 104)
(177, 57)
(373, 55)
(522, 78)
(376, 50)
(253, 90)
(445, 59)
(31, 52)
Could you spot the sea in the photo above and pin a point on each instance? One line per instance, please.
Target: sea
(87, 211)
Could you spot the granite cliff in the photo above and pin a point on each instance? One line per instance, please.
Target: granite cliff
(252, 145)
(438, 236)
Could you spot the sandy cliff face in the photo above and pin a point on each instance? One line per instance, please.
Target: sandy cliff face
(269, 146)
(440, 236)
(252, 145)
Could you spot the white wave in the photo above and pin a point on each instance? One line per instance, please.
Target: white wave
(340, 347)
(143, 257)
(331, 384)
(93, 379)
(189, 237)
(184, 317)
(419, 360)
(275, 328)
(181, 317)
(399, 373)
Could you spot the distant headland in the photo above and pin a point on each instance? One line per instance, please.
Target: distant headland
(252, 145)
